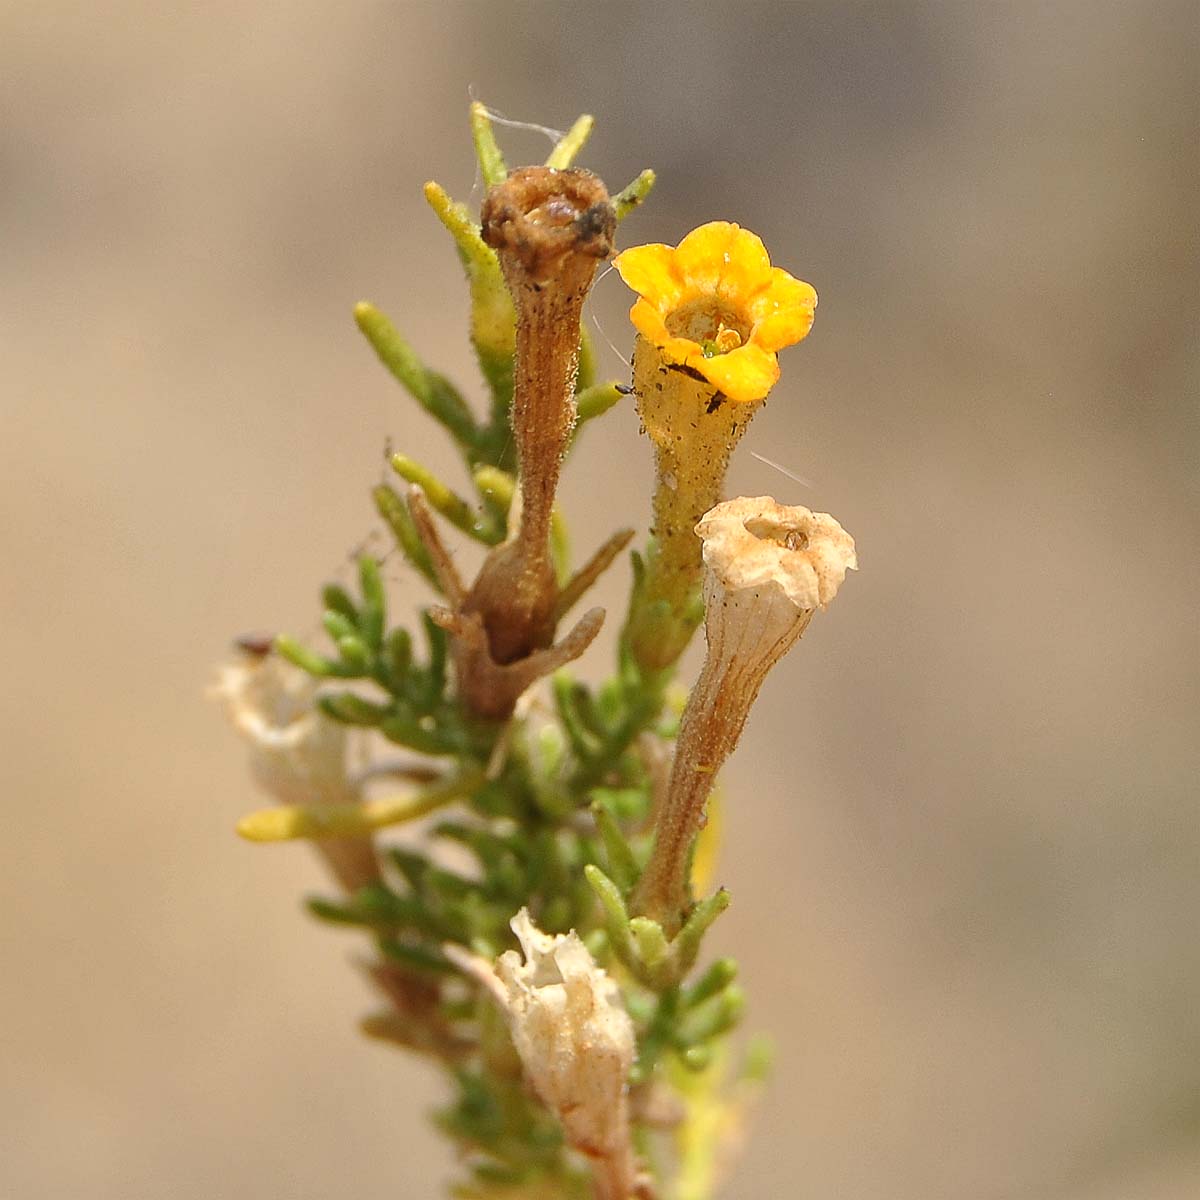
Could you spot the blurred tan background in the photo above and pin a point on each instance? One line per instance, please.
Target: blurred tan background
(963, 840)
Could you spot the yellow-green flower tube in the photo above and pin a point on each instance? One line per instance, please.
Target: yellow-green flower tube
(711, 314)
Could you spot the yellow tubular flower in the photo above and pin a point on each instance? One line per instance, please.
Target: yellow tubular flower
(711, 315)
(715, 304)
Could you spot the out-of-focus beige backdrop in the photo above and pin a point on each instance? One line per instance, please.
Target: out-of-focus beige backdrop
(963, 839)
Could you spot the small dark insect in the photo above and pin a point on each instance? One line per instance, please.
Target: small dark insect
(716, 402)
(258, 645)
(690, 372)
(624, 389)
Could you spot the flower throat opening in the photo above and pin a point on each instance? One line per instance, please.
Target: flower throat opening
(787, 536)
(716, 329)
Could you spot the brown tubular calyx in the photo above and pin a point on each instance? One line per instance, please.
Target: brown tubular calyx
(550, 229)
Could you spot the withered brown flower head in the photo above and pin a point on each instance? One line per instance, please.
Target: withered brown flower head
(542, 215)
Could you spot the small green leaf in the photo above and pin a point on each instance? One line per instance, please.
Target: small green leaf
(374, 603)
(419, 958)
(313, 663)
(451, 505)
(398, 656)
(652, 945)
(688, 939)
(338, 626)
(621, 862)
(439, 645)
(596, 401)
(433, 392)
(632, 194)
(569, 145)
(491, 161)
(585, 375)
(351, 709)
(497, 489)
(713, 1018)
(395, 512)
(354, 653)
(337, 600)
(615, 913)
(698, 1058)
(719, 976)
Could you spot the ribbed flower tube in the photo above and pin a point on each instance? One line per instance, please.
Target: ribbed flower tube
(767, 568)
(712, 314)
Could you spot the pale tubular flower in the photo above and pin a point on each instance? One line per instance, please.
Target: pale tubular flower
(297, 754)
(575, 1040)
(767, 568)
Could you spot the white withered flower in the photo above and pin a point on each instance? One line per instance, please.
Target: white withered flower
(575, 1040)
(297, 754)
(767, 569)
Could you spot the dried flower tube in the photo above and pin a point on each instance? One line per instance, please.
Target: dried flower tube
(768, 568)
(549, 229)
(575, 1040)
(712, 314)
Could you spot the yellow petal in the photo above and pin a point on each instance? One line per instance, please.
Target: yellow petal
(700, 257)
(782, 312)
(648, 321)
(722, 259)
(647, 269)
(682, 350)
(747, 269)
(744, 374)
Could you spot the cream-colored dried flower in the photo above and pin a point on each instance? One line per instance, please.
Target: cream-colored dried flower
(575, 1040)
(297, 754)
(756, 543)
(767, 569)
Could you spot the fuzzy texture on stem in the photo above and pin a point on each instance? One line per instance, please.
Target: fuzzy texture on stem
(694, 428)
(549, 229)
(768, 568)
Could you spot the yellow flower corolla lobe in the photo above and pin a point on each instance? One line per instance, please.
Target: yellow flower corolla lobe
(715, 304)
